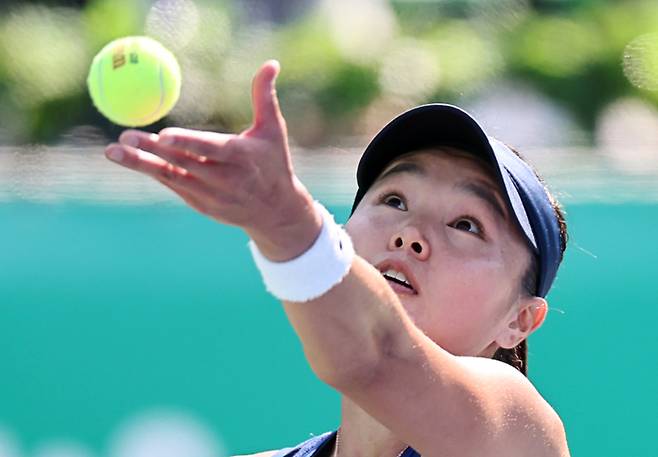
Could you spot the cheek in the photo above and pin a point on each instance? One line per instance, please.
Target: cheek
(357, 228)
(481, 286)
(467, 301)
(366, 238)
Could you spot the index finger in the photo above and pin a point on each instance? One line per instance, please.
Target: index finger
(210, 144)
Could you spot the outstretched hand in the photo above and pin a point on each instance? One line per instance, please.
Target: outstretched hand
(243, 179)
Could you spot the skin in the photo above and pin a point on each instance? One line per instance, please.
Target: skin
(421, 376)
(460, 237)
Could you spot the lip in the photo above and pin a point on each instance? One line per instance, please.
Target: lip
(401, 267)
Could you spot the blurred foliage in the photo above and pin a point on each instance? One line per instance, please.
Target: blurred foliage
(347, 66)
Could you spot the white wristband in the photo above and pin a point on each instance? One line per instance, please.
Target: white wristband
(314, 272)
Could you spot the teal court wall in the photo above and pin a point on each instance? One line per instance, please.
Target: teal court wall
(110, 311)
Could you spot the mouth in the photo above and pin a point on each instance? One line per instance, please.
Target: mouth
(399, 279)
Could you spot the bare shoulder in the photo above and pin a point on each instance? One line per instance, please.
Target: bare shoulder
(259, 454)
(525, 417)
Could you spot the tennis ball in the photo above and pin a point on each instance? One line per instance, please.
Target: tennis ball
(134, 81)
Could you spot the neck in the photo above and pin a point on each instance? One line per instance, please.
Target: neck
(362, 436)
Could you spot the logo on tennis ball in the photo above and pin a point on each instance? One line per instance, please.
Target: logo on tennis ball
(134, 81)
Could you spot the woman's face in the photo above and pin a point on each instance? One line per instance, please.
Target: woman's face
(437, 217)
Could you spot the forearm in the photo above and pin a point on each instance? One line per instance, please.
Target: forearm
(353, 327)
(347, 331)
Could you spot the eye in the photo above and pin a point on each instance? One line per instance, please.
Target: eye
(395, 201)
(469, 224)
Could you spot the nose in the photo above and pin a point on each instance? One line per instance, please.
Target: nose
(410, 239)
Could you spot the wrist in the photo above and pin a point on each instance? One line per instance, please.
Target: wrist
(315, 271)
(293, 230)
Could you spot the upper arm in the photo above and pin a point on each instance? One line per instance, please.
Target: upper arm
(527, 424)
(447, 405)
(359, 339)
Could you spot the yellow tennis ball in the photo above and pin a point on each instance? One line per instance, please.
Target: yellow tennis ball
(134, 81)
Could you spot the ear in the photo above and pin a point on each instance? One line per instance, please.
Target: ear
(523, 320)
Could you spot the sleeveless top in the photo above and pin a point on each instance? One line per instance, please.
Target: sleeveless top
(317, 444)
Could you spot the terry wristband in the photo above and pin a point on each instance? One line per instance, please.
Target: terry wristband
(314, 272)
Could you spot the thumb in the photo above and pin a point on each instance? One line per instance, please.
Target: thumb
(268, 119)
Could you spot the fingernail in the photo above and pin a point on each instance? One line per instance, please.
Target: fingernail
(115, 154)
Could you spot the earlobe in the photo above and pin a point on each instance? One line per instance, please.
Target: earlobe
(529, 317)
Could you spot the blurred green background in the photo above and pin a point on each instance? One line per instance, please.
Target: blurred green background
(347, 66)
(132, 327)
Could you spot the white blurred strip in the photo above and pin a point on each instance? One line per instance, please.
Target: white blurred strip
(8, 445)
(165, 433)
(82, 174)
(62, 449)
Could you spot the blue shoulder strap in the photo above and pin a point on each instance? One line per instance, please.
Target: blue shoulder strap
(310, 447)
(307, 448)
(409, 452)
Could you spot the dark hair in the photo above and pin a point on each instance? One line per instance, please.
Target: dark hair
(518, 355)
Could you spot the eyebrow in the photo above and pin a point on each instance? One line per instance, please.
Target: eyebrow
(480, 189)
(403, 167)
(484, 192)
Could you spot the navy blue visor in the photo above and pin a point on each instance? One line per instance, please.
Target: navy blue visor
(436, 125)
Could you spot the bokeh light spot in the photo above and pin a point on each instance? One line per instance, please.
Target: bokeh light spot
(8, 445)
(62, 449)
(641, 61)
(410, 70)
(55, 62)
(165, 434)
(173, 22)
(465, 57)
(361, 30)
(501, 14)
(627, 133)
(560, 47)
